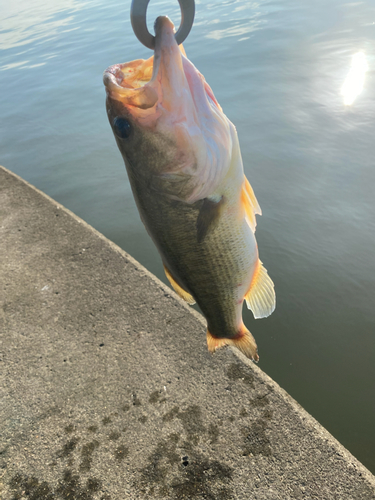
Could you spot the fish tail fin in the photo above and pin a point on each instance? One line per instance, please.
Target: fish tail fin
(244, 341)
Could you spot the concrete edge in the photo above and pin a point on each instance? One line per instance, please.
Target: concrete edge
(307, 419)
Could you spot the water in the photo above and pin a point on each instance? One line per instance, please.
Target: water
(277, 68)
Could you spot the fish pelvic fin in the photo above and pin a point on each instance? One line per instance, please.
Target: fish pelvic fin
(250, 204)
(178, 289)
(261, 298)
(244, 341)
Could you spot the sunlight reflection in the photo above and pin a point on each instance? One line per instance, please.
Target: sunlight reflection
(353, 84)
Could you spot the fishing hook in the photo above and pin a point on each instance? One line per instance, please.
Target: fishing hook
(138, 19)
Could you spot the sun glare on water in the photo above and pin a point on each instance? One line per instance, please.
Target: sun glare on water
(353, 84)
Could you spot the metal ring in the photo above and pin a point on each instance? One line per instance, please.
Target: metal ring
(138, 19)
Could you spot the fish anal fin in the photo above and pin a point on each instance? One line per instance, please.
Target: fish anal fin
(244, 341)
(261, 297)
(208, 216)
(178, 289)
(250, 204)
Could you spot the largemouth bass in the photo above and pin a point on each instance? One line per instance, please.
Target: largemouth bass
(185, 168)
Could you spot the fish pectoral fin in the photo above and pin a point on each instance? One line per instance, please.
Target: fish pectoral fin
(261, 298)
(178, 289)
(244, 341)
(250, 204)
(208, 216)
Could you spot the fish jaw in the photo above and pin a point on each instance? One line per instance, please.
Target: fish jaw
(167, 97)
(168, 77)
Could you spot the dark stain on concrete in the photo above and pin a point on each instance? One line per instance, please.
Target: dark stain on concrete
(260, 401)
(68, 448)
(114, 436)
(173, 474)
(136, 401)
(126, 408)
(30, 487)
(175, 477)
(52, 410)
(243, 412)
(213, 432)
(160, 461)
(121, 452)
(174, 437)
(268, 413)
(154, 397)
(256, 440)
(240, 372)
(86, 455)
(203, 478)
(191, 420)
(69, 488)
(93, 484)
(106, 420)
(165, 454)
(171, 414)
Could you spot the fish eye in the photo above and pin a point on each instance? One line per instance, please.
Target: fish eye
(122, 127)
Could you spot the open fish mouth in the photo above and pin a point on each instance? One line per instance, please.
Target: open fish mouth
(128, 82)
(142, 83)
(167, 78)
(128, 76)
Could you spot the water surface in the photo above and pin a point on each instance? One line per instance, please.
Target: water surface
(278, 69)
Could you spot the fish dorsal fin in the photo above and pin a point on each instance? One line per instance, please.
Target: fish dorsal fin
(261, 297)
(250, 204)
(178, 289)
(208, 216)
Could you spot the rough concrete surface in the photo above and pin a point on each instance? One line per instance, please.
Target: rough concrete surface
(108, 391)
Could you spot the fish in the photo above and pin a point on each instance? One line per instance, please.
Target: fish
(185, 169)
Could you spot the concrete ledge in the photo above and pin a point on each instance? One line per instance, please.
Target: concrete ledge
(108, 391)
